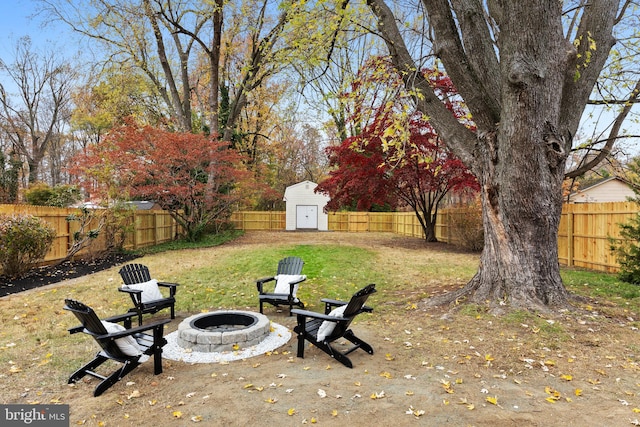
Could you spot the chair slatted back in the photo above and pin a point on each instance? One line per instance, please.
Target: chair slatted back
(134, 273)
(94, 327)
(290, 265)
(354, 307)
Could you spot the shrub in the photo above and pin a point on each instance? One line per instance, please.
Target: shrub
(61, 196)
(24, 241)
(627, 251)
(627, 248)
(466, 228)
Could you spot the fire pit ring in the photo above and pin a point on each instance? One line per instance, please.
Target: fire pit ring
(220, 331)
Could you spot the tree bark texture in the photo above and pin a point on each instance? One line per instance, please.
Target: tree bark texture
(526, 100)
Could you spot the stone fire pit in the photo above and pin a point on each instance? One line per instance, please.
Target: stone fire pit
(221, 331)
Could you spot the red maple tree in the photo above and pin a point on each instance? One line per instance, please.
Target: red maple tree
(194, 177)
(369, 171)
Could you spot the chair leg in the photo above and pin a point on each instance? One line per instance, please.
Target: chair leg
(97, 361)
(301, 345)
(115, 377)
(157, 351)
(340, 357)
(358, 342)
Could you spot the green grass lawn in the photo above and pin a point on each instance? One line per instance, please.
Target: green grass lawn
(34, 325)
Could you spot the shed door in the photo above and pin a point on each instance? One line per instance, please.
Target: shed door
(306, 216)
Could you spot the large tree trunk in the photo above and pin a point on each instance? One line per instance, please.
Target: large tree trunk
(522, 168)
(526, 102)
(519, 263)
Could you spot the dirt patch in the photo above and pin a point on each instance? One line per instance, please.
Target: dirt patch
(50, 274)
(430, 367)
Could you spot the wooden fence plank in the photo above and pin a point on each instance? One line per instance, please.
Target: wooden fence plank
(151, 227)
(583, 235)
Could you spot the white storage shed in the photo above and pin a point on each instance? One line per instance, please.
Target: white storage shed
(305, 209)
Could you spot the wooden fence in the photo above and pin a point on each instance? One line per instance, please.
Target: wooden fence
(583, 236)
(144, 228)
(585, 232)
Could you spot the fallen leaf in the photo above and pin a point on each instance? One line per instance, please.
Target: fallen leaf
(414, 412)
(380, 395)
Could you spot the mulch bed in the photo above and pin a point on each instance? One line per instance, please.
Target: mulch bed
(56, 273)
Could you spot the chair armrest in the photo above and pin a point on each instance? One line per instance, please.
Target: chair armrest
(129, 290)
(135, 294)
(329, 304)
(125, 318)
(76, 329)
(315, 315)
(261, 282)
(168, 284)
(334, 302)
(302, 279)
(120, 317)
(136, 330)
(172, 287)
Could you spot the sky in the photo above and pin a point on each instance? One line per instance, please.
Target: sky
(16, 22)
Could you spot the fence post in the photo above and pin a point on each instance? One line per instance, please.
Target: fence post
(569, 237)
(155, 228)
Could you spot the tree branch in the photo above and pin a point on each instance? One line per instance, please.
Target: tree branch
(613, 136)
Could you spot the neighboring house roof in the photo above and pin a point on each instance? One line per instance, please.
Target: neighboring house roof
(612, 189)
(142, 204)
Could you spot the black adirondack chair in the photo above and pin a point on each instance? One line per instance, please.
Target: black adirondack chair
(323, 329)
(133, 274)
(285, 289)
(113, 347)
